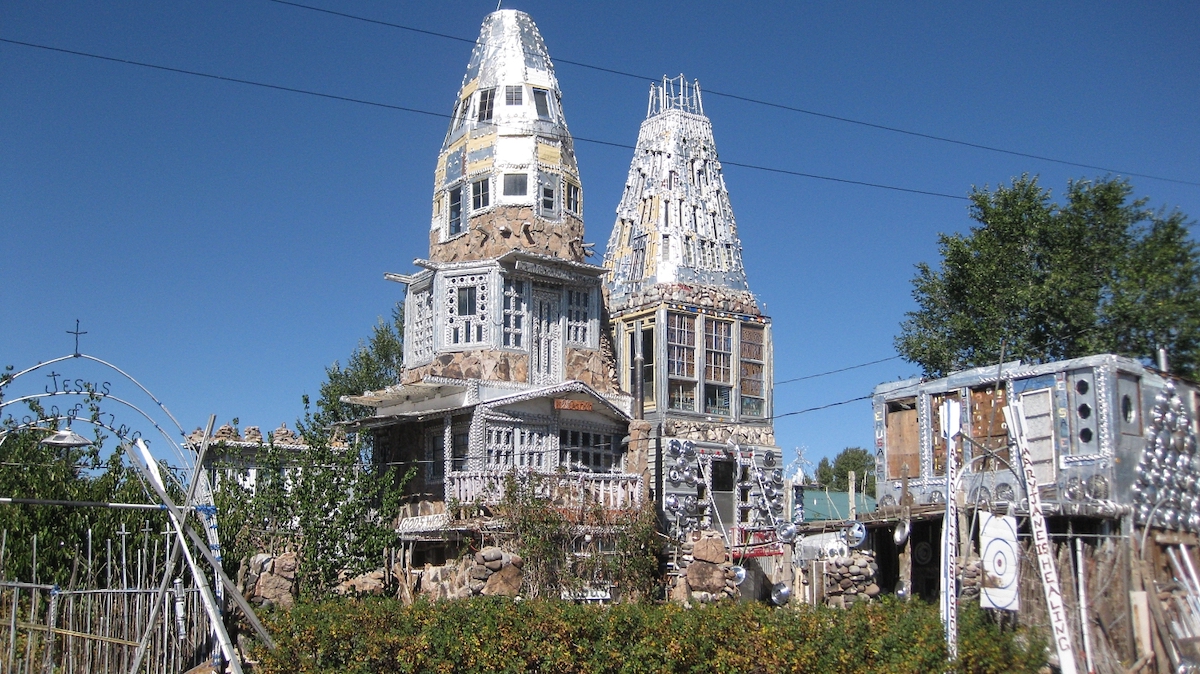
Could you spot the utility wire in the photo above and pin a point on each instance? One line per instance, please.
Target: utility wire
(769, 104)
(822, 407)
(388, 106)
(822, 374)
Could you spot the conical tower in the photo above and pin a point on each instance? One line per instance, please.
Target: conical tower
(692, 345)
(675, 229)
(506, 176)
(505, 295)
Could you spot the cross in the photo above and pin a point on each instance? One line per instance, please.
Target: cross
(77, 333)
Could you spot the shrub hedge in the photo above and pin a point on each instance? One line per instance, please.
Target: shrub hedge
(499, 635)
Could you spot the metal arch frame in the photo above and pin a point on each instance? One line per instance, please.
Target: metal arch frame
(5, 381)
(204, 493)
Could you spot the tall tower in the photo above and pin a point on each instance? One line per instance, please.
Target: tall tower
(692, 345)
(506, 177)
(506, 365)
(505, 294)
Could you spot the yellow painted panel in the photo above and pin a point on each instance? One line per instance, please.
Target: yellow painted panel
(468, 89)
(549, 154)
(481, 165)
(478, 142)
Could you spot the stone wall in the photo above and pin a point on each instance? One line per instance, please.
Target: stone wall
(506, 228)
(489, 572)
(699, 295)
(743, 434)
(491, 365)
(267, 580)
(594, 367)
(705, 570)
(850, 579)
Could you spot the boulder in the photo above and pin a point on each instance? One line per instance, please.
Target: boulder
(504, 583)
(275, 589)
(710, 550)
(285, 565)
(705, 577)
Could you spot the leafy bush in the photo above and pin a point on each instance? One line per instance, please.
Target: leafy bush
(498, 635)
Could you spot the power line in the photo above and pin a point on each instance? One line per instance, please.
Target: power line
(821, 407)
(765, 103)
(822, 374)
(401, 108)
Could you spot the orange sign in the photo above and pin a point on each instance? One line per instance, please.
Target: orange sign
(577, 405)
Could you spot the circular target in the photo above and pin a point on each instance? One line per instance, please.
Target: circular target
(923, 553)
(1000, 560)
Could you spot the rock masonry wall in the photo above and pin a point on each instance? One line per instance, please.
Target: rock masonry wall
(506, 228)
(763, 436)
(850, 579)
(267, 580)
(699, 295)
(705, 570)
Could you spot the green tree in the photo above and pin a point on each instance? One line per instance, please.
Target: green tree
(1040, 281)
(374, 364)
(836, 475)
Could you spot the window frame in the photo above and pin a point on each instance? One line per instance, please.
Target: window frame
(573, 198)
(481, 194)
(521, 178)
(541, 103)
(454, 213)
(516, 314)
(474, 324)
(510, 99)
(747, 357)
(485, 111)
(681, 369)
(717, 362)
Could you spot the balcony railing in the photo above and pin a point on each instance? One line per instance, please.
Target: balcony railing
(615, 491)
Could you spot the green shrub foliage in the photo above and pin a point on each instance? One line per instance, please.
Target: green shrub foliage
(499, 635)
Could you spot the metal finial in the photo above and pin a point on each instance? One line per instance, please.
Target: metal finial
(77, 333)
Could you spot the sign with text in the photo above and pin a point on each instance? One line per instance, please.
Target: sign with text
(576, 405)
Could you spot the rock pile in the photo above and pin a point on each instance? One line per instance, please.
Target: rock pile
(706, 572)
(851, 578)
(269, 581)
(971, 575)
(490, 572)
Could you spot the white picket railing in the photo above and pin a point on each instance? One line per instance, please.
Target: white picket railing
(615, 491)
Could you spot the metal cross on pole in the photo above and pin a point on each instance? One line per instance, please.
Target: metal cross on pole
(77, 333)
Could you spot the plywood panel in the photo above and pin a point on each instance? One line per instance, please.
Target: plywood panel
(903, 443)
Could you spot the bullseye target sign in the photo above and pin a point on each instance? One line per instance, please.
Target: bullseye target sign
(998, 542)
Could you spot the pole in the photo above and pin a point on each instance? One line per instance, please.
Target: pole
(1014, 414)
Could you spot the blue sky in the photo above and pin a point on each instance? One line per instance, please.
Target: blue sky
(223, 243)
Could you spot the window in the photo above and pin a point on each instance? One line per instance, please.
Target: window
(487, 98)
(753, 389)
(421, 341)
(573, 198)
(466, 310)
(516, 184)
(514, 313)
(456, 211)
(588, 452)
(647, 361)
(681, 361)
(512, 94)
(548, 199)
(541, 100)
(480, 197)
(578, 316)
(435, 456)
(458, 449)
(718, 356)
